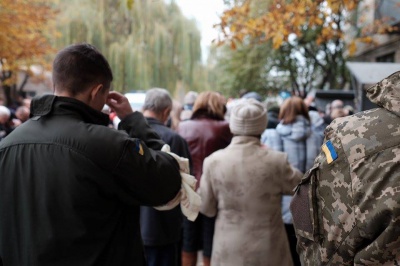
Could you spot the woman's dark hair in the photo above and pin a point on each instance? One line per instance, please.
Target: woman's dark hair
(78, 67)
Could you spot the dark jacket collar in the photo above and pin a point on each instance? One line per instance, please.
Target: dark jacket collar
(202, 113)
(51, 104)
(153, 121)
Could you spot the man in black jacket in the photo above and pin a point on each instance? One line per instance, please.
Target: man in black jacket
(70, 187)
(161, 230)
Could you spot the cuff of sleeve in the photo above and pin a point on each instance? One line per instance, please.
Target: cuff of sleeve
(130, 120)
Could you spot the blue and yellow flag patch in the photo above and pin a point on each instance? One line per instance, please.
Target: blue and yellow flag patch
(139, 147)
(329, 151)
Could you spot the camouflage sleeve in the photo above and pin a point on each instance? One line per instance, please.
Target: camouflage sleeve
(322, 210)
(346, 211)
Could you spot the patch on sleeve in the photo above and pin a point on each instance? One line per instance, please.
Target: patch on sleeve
(329, 151)
(139, 147)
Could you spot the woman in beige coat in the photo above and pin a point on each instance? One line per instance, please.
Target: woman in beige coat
(242, 185)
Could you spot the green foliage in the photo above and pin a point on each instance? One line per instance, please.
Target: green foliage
(285, 45)
(248, 67)
(148, 43)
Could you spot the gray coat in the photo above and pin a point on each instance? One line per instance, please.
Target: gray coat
(243, 186)
(297, 140)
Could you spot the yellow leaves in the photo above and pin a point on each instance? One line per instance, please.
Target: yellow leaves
(233, 45)
(367, 39)
(335, 5)
(277, 41)
(351, 4)
(129, 4)
(352, 47)
(316, 21)
(23, 32)
(301, 9)
(282, 18)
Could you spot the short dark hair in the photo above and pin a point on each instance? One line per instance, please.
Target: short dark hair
(79, 66)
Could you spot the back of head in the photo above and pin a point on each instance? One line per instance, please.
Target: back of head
(338, 112)
(337, 104)
(189, 99)
(253, 95)
(78, 67)
(157, 100)
(211, 103)
(175, 115)
(4, 111)
(291, 108)
(4, 114)
(248, 118)
(22, 113)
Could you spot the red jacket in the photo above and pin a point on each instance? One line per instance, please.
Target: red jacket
(204, 136)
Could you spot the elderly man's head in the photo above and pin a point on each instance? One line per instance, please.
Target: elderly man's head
(22, 113)
(158, 104)
(4, 114)
(337, 104)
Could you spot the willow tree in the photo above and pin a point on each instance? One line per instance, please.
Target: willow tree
(148, 43)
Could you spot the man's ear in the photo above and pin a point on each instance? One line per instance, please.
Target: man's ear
(95, 90)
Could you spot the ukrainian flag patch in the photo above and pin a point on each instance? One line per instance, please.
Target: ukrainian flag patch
(139, 147)
(329, 151)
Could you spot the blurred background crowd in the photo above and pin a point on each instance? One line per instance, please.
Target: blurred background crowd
(196, 128)
(305, 63)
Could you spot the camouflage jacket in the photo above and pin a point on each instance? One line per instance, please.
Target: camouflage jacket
(346, 210)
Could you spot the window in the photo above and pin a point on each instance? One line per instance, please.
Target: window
(388, 58)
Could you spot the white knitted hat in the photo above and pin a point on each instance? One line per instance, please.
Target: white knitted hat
(248, 117)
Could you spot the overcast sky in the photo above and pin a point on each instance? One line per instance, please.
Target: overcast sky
(206, 13)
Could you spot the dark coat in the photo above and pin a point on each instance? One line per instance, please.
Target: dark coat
(204, 136)
(163, 227)
(70, 187)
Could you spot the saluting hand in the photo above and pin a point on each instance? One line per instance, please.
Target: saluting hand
(119, 104)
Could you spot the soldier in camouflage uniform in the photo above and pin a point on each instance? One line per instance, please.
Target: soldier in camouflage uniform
(346, 210)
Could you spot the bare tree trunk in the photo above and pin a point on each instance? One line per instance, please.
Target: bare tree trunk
(21, 88)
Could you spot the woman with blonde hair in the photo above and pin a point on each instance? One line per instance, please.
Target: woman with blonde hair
(205, 133)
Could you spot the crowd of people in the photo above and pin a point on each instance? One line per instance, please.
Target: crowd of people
(87, 187)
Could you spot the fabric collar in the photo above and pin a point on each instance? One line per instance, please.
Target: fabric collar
(51, 104)
(202, 113)
(245, 139)
(152, 120)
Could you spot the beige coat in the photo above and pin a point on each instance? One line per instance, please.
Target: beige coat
(243, 185)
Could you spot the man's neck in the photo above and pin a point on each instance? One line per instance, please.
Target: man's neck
(79, 97)
(151, 114)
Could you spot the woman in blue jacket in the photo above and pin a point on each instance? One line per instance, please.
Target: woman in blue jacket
(291, 136)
